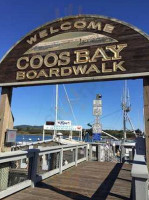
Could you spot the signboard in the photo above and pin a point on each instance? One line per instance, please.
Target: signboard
(97, 103)
(63, 128)
(74, 49)
(11, 136)
(97, 128)
(96, 137)
(97, 111)
(63, 123)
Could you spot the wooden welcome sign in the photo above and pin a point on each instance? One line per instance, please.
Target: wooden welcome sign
(74, 49)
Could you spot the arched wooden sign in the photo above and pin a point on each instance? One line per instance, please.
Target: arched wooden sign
(74, 49)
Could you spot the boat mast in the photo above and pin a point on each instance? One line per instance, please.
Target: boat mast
(124, 111)
(125, 108)
(56, 109)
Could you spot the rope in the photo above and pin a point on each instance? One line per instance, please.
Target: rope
(70, 104)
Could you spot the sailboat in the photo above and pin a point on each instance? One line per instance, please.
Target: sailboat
(127, 146)
(61, 125)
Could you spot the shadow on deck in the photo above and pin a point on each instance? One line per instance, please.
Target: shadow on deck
(90, 180)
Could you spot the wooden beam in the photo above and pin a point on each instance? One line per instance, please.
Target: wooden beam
(6, 118)
(146, 115)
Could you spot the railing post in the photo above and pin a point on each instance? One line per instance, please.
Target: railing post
(90, 152)
(86, 152)
(140, 177)
(76, 155)
(61, 161)
(98, 153)
(122, 155)
(73, 155)
(140, 189)
(32, 170)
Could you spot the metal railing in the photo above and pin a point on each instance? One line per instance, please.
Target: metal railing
(139, 172)
(100, 152)
(21, 169)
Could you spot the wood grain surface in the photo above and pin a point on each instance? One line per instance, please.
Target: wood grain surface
(90, 180)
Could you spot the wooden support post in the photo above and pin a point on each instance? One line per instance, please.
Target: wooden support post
(6, 118)
(33, 165)
(146, 116)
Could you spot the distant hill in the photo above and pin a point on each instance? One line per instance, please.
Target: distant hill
(28, 129)
(25, 126)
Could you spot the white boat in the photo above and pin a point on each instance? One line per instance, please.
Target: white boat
(63, 125)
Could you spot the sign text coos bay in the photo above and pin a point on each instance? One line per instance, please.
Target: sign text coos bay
(66, 63)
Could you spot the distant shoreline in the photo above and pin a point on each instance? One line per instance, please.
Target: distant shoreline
(28, 133)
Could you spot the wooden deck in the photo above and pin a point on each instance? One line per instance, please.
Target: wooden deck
(90, 180)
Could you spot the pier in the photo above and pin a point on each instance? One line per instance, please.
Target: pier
(72, 172)
(90, 180)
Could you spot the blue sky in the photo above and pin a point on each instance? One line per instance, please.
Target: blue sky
(34, 105)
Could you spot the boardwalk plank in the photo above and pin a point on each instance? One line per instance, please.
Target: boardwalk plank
(90, 180)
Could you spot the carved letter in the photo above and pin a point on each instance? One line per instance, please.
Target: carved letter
(116, 49)
(104, 70)
(93, 68)
(47, 60)
(80, 24)
(43, 33)
(42, 73)
(82, 56)
(38, 59)
(92, 25)
(119, 66)
(52, 30)
(79, 69)
(66, 71)
(31, 74)
(54, 71)
(20, 75)
(100, 53)
(23, 60)
(108, 28)
(66, 26)
(32, 39)
(65, 56)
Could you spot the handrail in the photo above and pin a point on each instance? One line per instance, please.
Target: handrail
(61, 146)
(14, 155)
(139, 172)
(99, 153)
(139, 167)
(33, 156)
